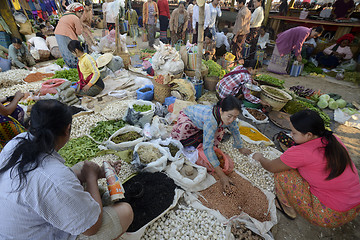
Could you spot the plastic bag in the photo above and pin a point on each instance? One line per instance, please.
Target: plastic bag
(201, 182)
(246, 114)
(116, 63)
(191, 153)
(49, 86)
(348, 120)
(156, 166)
(139, 118)
(167, 60)
(349, 65)
(203, 161)
(20, 17)
(174, 142)
(124, 145)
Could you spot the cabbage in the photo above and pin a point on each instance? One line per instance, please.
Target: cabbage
(325, 97)
(331, 100)
(322, 104)
(341, 103)
(333, 105)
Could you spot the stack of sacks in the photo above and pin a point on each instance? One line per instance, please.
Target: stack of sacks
(67, 94)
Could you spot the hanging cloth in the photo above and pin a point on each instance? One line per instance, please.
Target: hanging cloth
(5, 26)
(16, 4)
(32, 6)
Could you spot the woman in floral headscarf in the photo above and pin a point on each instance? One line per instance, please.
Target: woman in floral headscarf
(69, 28)
(339, 52)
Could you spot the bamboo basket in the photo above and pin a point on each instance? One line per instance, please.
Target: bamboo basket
(210, 83)
(126, 59)
(275, 101)
(161, 91)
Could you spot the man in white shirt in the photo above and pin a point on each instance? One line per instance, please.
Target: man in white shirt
(212, 11)
(195, 20)
(39, 50)
(222, 43)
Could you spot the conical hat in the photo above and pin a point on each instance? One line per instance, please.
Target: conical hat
(104, 60)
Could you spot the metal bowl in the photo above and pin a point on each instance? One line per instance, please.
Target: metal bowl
(255, 90)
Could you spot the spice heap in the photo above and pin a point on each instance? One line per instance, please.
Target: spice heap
(256, 114)
(149, 194)
(148, 154)
(34, 77)
(104, 129)
(240, 231)
(243, 197)
(173, 149)
(126, 137)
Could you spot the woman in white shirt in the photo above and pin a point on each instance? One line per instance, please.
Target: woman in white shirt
(40, 197)
(212, 11)
(256, 20)
(38, 48)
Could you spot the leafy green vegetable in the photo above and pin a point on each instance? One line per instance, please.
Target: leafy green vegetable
(215, 70)
(104, 129)
(60, 62)
(322, 104)
(71, 74)
(78, 149)
(310, 68)
(341, 103)
(325, 97)
(352, 77)
(141, 108)
(333, 105)
(270, 80)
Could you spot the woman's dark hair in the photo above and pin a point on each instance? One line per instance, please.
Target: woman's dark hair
(88, 3)
(75, 44)
(241, 1)
(42, 26)
(229, 103)
(263, 27)
(182, 2)
(39, 34)
(48, 120)
(16, 40)
(319, 29)
(208, 34)
(335, 153)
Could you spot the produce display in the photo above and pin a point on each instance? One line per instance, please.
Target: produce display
(302, 91)
(78, 149)
(72, 75)
(215, 70)
(104, 129)
(60, 62)
(34, 77)
(352, 77)
(141, 108)
(173, 149)
(325, 101)
(270, 80)
(276, 93)
(309, 67)
(126, 137)
(148, 154)
(256, 114)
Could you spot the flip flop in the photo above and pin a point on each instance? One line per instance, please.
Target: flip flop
(281, 209)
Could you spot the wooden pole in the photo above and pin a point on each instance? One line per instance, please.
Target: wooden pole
(267, 11)
(200, 41)
(117, 37)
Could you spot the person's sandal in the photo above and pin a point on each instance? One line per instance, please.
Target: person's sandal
(287, 214)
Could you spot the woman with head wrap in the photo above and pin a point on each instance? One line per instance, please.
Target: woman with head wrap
(332, 56)
(69, 28)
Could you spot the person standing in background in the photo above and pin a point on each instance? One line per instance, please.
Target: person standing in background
(256, 20)
(190, 9)
(164, 16)
(283, 8)
(86, 20)
(241, 28)
(133, 18)
(343, 8)
(150, 14)
(212, 11)
(178, 23)
(108, 18)
(195, 23)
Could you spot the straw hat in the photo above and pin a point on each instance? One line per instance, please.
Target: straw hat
(104, 60)
(189, 171)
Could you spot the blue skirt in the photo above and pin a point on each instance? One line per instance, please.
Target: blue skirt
(63, 41)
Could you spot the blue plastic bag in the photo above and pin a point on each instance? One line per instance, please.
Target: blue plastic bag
(148, 95)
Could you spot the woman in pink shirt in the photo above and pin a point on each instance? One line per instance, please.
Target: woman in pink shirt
(332, 56)
(315, 178)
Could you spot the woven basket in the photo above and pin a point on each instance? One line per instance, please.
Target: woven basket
(161, 91)
(191, 73)
(210, 83)
(126, 59)
(275, 101)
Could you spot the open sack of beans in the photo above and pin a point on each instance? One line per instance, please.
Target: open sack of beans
(124, 138)
(255, 115)
(189, 176)
(150, 157)
(151, 196)
(172, 146)
(244, 202)
(226, 163)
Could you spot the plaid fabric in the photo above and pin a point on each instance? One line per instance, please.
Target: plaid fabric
(232, 84)
(293, 190)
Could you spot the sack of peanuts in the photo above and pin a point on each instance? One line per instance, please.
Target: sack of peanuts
(226, 163)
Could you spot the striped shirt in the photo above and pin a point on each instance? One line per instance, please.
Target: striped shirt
(87, 66)
(203, 118)
(52, 205)
(232, 84)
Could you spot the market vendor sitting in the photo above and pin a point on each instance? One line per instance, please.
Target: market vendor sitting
(209, 45)
(308, 48)
(317, 177)
(233, 84)
(44, 199)
(205, 124)
(90, 83)
(332, 56)
(19, 55)
(11, 118)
